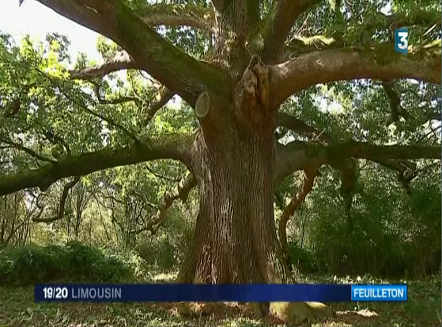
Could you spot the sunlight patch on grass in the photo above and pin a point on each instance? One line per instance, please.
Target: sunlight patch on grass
(333, 324)
(363, 313)
(164, 277)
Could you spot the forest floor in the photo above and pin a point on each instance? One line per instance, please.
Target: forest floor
(17, 309)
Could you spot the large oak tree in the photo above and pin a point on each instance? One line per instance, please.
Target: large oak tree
(257, 55)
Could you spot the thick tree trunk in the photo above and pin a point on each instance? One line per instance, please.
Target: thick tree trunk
(235, 239)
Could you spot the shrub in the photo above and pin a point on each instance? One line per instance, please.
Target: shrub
(74, 262)
(167, 249)
(303, 259)
(159, 253)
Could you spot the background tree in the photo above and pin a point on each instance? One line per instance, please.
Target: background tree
(253, 71)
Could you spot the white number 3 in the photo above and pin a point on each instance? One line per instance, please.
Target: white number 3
(403, 44)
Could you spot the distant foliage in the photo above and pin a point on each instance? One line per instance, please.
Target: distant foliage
(388, 233)
(74, 262)
(304, 259)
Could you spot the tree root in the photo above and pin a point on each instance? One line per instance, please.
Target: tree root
(287, 312)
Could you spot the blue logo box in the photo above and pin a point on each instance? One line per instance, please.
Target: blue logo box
(375, 293)
(401, 40)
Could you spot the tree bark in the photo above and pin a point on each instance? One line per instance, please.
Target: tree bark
(235, 239)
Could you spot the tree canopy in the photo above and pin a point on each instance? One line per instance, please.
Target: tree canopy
(328, 88)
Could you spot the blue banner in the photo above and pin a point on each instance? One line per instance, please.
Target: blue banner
(193, 293)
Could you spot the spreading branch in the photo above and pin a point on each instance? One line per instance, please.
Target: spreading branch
(300, 44)
(119, 100)
(278, 25)
(349, 171)
(79, 101)
(113, 123)
(413, 18)
(12, 108)
(161, 176)
(60, 214)
(373, 152)
(394, 97)
(165, 147)
(163, 96)
(21, 147)
(179, 15)
(348, 167)
(309, 179)
(120, 61)
(377, 62)
(298, 126)
(181, 192)
(55, 139)
(297, 155)
(172, 67)
(406, 170)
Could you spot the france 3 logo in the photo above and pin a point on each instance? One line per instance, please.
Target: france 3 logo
(401, 40)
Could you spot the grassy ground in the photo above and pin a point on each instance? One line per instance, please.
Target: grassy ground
(18, 309)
